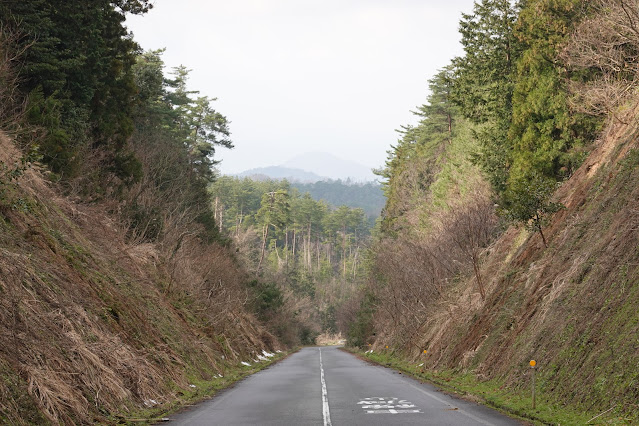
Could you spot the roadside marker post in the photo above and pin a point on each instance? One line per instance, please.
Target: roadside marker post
(533, 363)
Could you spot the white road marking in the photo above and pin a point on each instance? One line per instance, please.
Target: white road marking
(387, 405)
(393, 412)
(325, 411)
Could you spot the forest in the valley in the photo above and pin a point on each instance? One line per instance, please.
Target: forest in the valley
(313, 250)
(132, 271)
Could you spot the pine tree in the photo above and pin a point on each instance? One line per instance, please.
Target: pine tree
(484, 82)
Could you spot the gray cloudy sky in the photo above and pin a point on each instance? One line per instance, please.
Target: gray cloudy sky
(296, 76)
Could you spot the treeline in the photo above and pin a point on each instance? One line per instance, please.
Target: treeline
(108, 121)
(313, 250)
(367, 196)
(502, 127)
(509, 96)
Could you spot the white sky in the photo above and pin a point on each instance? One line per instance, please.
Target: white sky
(296, 76)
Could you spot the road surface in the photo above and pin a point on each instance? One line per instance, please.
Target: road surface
(326, 386)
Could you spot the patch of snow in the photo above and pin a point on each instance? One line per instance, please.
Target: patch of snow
(192, 386)
(420, 364)
(246, 363)
(267, 354)
(150, 402)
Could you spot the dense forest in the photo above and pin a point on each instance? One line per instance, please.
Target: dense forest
(312, 251)
(366, 196)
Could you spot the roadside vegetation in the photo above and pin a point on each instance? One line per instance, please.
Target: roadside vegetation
(517, 403)
(507, 234)
(120, 296)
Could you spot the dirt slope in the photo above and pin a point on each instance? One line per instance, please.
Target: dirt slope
(573, 307)
(91, 327)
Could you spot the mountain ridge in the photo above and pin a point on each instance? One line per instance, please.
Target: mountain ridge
(313, 167)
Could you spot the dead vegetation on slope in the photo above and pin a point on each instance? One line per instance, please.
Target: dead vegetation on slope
(92, 327)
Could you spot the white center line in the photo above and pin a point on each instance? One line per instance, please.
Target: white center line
(325, 411)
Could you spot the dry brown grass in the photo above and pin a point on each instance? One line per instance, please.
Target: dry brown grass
(92, 326)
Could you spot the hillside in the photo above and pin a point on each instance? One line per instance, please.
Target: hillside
(95, 328)
(331, 165)
(280, 172)
(510, 230)
(571, 307)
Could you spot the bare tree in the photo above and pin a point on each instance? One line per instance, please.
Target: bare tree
(471, 227)
(607, 43)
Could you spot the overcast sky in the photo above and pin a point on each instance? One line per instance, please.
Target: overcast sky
(296, 76)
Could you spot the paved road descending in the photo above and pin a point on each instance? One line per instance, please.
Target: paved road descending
(329, 387)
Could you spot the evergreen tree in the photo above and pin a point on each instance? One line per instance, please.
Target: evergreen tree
(484, 82)
(77, 68)
(548, 138)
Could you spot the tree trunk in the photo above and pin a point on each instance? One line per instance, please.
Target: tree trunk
(355, 262)
(264, 236)
(480, 284)
(543, 237)
(294, 240)
(309, 259)
(286, 247)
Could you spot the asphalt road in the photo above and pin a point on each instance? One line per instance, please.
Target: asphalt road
(326, 386)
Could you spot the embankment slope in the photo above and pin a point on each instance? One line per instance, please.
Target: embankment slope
(93, 329)
(573, 306)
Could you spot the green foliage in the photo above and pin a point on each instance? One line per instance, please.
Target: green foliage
(307, 336)
(483, 83)
(527, 200)
(367, 196)
(434, 151)
(77, 68)
(175, 140)
(548, 138)
(267, 299)
(274, 210)
(361, 330)
(58, 146)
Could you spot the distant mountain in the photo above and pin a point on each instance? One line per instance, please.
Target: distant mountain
(280, 172)
(325, 164)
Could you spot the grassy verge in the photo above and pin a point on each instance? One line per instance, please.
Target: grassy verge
(494, 393)
(198, 391)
